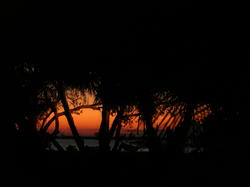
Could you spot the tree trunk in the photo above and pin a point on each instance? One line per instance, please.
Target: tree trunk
(54, 109)
(148, 110)
(153, 144)
(116, 122)
(116, 127)
(56, 144)
(177, 138)
(117, 137)
(104, 130)
(78, 139)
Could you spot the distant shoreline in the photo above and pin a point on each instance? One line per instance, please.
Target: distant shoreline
(94, 137)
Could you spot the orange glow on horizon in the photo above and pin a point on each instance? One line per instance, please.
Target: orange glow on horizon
(87, 123)
(88, 120)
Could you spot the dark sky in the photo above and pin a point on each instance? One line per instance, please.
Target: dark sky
(185, 41)
(123, 30)
(181, 30)
(184, 30)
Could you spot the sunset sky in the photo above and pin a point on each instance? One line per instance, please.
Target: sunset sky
(88, 120)
(88, 123)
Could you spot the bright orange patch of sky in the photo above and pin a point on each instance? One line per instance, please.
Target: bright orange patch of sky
(89, 120)
(87, 123)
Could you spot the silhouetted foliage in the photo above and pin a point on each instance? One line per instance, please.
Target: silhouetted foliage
(167, 61)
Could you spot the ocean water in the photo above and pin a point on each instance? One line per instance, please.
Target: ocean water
(90, 142)
(66, 142)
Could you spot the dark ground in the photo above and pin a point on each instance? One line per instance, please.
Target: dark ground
(130, 169)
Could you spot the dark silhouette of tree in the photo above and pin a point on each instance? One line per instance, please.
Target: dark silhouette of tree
(147, 109)
(79, 141)
(178, 64)
(129, 58)
(25, 105)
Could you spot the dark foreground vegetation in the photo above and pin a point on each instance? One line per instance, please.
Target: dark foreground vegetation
(129, 169)
(175, 61)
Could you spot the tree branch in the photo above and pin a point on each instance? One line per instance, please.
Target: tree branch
(45, 119)
(71, 110)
